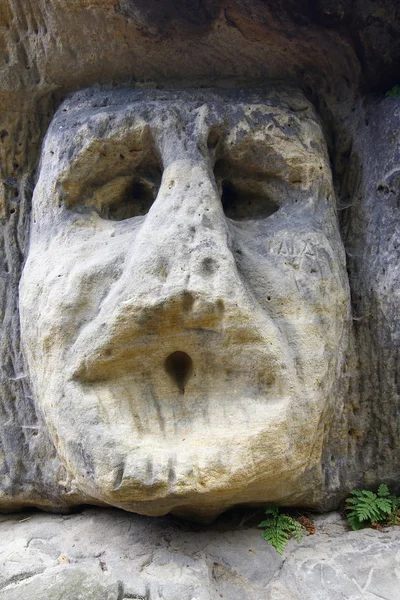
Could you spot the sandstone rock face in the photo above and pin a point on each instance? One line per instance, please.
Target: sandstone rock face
(338, 54)
(184, 304)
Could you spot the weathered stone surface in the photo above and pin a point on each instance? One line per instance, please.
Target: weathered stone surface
(372, 238)
(336, 52)
(185, 293)
(364, 444)
(115, 555)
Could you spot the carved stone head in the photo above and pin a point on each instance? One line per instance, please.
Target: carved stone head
(184, 304)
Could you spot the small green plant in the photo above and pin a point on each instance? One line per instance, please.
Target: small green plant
(364, 507)
(394, 92)
(278, 528)
(394, 518)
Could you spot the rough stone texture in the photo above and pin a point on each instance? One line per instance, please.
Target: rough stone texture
(115, 556)
(195, 227)
(337, 52)
(371, 193)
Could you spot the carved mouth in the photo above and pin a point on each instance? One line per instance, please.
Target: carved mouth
(140, 358)
(182, 353)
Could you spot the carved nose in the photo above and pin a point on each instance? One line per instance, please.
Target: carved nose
(179, 367)
(191, 249)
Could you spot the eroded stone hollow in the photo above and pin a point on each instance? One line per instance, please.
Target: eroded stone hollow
(179, 367)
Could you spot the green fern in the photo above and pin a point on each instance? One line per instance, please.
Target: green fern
(394, 92)
(365, 507)
(278, 528)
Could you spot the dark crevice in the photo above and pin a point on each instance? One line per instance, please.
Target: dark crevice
(179, 367)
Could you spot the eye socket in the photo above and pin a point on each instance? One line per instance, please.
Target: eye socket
(246, 200)
(136, 201)
(117, 179)
(125, 197)
(133, 200)
(247, 194)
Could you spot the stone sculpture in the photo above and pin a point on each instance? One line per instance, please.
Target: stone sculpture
(184, 303)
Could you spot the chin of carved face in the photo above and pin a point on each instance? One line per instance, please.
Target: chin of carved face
(184, 303)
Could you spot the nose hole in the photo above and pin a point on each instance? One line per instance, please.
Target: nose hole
(179, 367)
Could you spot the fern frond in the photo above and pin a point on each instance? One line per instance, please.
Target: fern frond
(368, 494)
(352, 500)
(364, 506)
(298, 532)
(383, 490)
(354, 521)
(278, 538)
(265, 523)
(272, 510)
(358, 493)
(367, 509)
(385, 505)
(279, 527)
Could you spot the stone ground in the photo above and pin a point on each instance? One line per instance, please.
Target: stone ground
(112, 555)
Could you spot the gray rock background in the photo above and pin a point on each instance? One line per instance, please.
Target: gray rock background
(367, 448)
(371, 235)
(114, 555)
(344, 57)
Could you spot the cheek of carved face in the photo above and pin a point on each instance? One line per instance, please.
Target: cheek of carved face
(184, 302)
